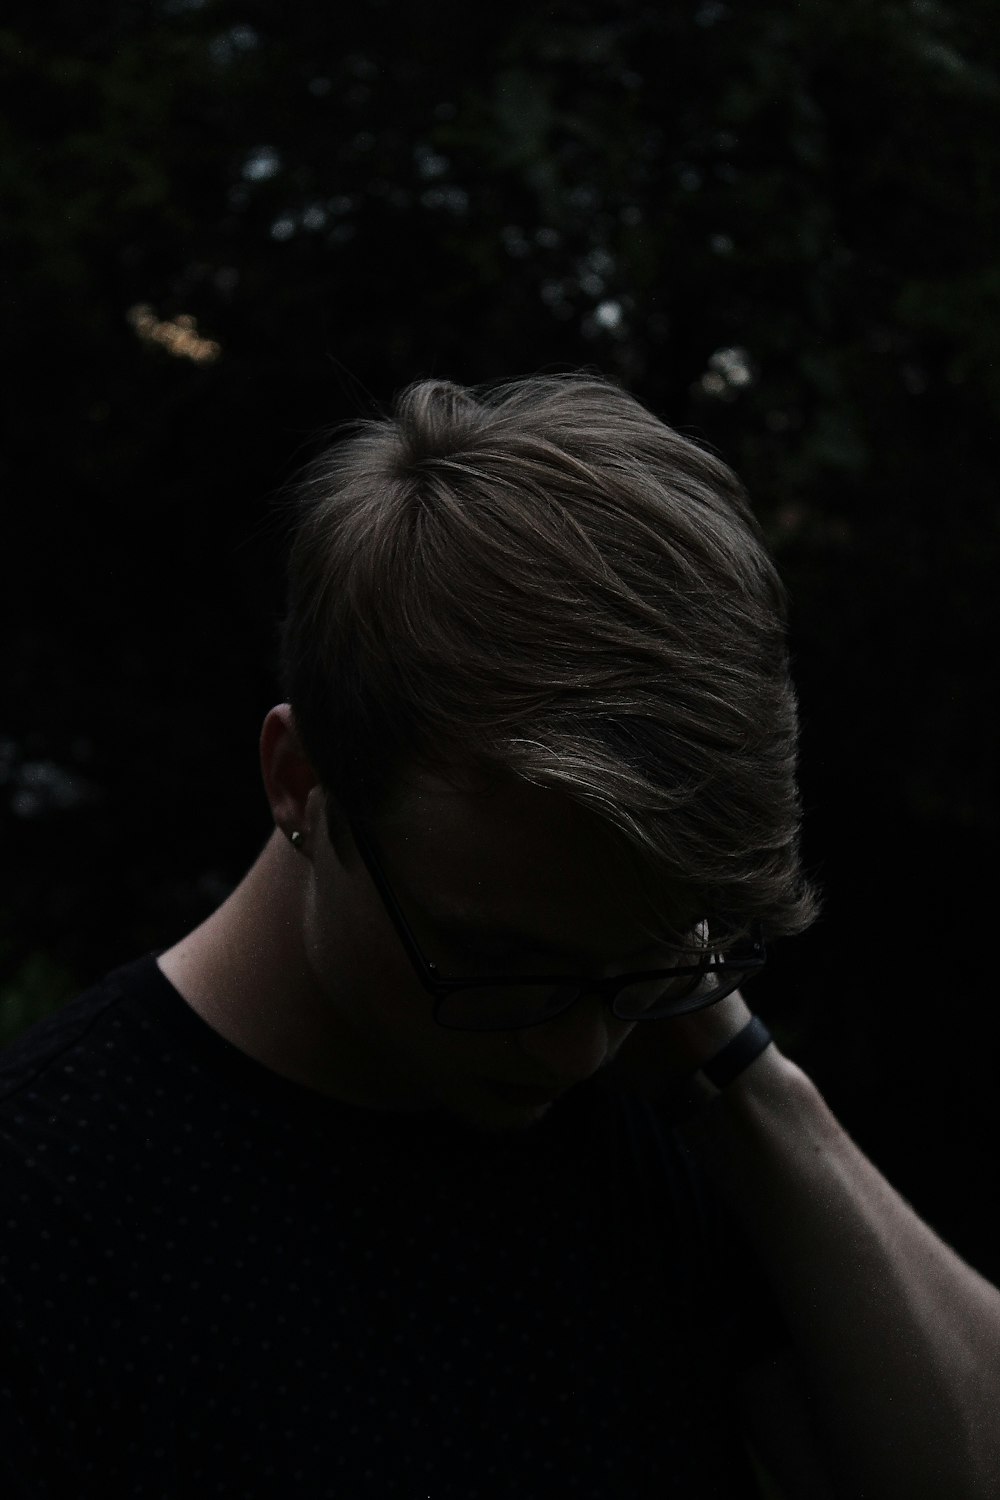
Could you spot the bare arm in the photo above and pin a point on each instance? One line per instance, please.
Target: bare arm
(897, 1337)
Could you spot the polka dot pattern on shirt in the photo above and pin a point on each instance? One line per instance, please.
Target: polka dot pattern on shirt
(215, 1282)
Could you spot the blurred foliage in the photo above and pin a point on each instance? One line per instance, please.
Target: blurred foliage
(39, 986)
(227, 225)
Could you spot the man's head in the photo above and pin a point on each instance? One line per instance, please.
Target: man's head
(543, 581)
(535, 642)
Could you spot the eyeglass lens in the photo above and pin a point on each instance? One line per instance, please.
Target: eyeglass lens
(497, 1008)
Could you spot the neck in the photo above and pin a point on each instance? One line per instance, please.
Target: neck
(244, 969)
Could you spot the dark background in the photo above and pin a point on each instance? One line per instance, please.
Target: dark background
(226, 226)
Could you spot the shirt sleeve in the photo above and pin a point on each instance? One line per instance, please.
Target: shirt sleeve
(740, 1309)
(744, 1302)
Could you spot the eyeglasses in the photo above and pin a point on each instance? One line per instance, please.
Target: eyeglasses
(511, 1002)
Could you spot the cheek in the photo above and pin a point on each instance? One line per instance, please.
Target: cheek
(365, 974)
(367, 977)
(618, 1033)
(349, 960)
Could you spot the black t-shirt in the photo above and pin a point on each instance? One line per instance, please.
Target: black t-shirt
(217, 1282)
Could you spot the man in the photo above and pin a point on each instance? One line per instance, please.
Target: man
(446, 1158)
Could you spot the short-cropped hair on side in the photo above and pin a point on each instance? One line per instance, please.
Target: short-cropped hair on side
(542, 579)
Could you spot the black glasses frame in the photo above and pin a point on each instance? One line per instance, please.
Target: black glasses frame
(440, 987)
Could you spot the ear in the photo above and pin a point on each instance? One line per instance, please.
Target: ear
(289, 776)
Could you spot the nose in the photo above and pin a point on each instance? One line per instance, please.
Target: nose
(572, 1046)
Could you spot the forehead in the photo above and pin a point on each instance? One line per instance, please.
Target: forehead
(514, 855)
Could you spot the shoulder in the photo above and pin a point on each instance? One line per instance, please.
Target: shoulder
(66, 1085)
(40, 1064)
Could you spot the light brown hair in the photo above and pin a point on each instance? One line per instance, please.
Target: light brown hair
(542, 579)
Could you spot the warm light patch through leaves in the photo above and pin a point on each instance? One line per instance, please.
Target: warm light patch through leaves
(179, 336)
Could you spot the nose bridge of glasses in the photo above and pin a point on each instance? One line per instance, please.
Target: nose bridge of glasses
(572, 994)
(582, 1008)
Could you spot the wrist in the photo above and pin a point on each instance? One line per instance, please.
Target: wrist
(749, 1051)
